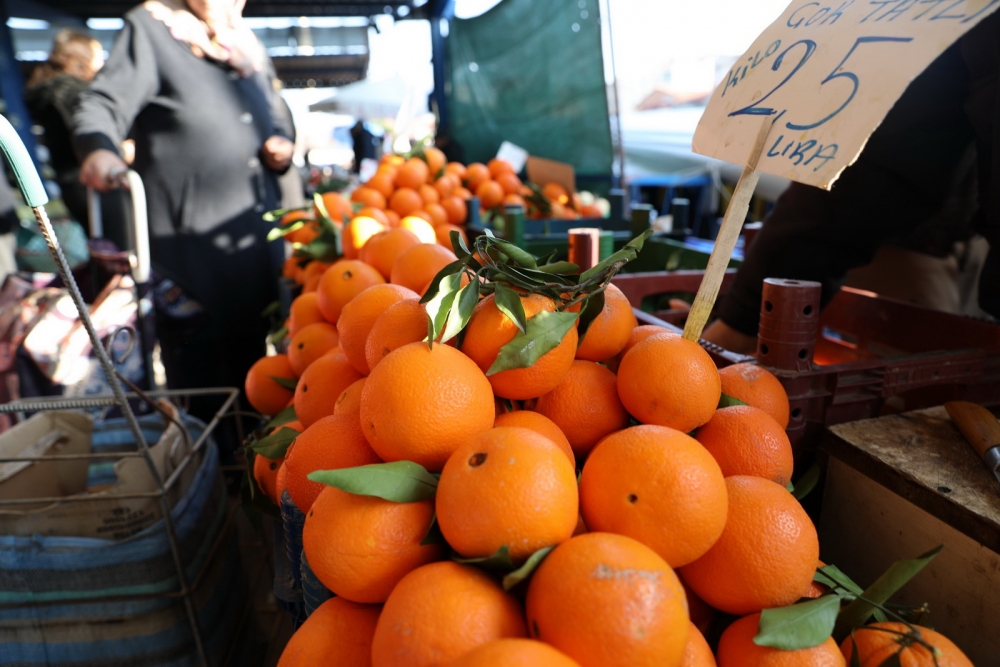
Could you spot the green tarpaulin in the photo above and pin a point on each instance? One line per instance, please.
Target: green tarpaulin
(531, 72)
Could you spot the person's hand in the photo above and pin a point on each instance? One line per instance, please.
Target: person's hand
(103, 170)
(277, 152)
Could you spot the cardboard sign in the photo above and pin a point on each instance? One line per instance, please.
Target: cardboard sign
(828, 72)
(543, 172)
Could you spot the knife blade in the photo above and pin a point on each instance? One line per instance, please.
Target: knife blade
(981, 428)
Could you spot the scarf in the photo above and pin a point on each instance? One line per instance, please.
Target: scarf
(213, 29)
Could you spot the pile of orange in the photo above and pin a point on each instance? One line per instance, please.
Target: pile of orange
(653, 512)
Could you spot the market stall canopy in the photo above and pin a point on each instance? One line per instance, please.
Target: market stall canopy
(116, 8)
(367, 99)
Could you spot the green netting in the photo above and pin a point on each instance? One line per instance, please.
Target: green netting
(531, 72)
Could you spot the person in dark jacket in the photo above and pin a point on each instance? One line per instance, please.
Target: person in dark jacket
(190, 84)
(52, 96)
(912, 164)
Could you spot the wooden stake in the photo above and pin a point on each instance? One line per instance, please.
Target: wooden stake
(729, 232)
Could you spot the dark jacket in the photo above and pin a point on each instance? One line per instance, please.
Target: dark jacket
(198, 129)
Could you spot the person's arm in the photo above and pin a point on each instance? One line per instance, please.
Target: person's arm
(108, 108)
(278, 148)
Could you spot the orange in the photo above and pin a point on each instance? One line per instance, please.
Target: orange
(372, 212)
(490, 194)
(321, 385)
(336, 206)
(423, 215)
(463, 193)
(421, 404)
(393, 218)
(312, 274)
(510, 183)
(737, 649)
(515, 200)
(658, 486)
(456, 168)
(303, 312)
(439, 216)
(357, 232)
(441, 611)
(747, 441)
(555, 193)
(429, 194)
(608, 601)
(641, 333)
(476, 173)
(264, 394)
(392, 159)
(489, 330)
(416, 267)
(456, 209)
(332, 443)
(514, 653)
(669, 381)
(446, 185)
(697, 652)
(290, 268)
(816, 589)
(610, 331)
(402, 323)
(508, 486)
(758, 387)
(435, 159)
(766, 555)
(405, 201)
(281, 479)
(878, 642)
(338, 632)
(384, 183)
(346, 280)
(585, 405)
(443, 234)
(304, 234)
(412, 174)
(383, 249)
(361, 546)
(540, 424)
(265, 473)
(359, 316)
(311, 343)
(591, 211)
(498, 166)
(368, 197)
(422, 229)
(349, 401)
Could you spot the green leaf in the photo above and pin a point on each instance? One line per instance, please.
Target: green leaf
(287, 383)
(559, 267)
(798, 626)
(544, 332)
(523, 572)
(509, 303)
(456, 267)
(808, 481)
(790, 487)
(461, 310)
(727, 401)
(284, 230)
(277, 214)
(500, 560)
(629, 252)
(275, 445)
(278, 335)
(515, 254)
(439, 307)
(399, 481)
(590, 309)
(899, 573)
(434, 534)
(830, 575)
(285, 416)
(458, 244)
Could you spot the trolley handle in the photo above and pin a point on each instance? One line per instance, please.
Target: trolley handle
(140, 221)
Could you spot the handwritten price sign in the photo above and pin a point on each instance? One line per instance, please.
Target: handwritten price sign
(827, 73)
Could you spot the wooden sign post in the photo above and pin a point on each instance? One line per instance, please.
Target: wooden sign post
(823, 76)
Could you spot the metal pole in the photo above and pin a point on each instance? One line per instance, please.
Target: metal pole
(614, 85)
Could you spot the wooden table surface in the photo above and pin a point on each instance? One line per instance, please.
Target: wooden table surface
(922, 457)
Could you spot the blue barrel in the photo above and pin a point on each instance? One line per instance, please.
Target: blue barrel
(314, 593)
